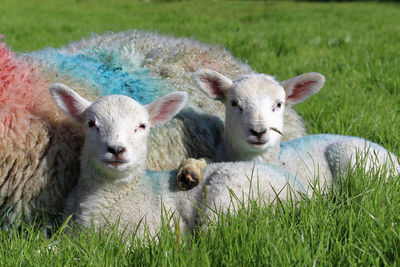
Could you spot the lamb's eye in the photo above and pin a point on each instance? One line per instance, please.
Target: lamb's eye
(277, 107)
(141, 127)
(91, 123)
(234, 103)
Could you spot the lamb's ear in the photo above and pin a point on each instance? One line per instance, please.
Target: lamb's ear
(166, 107)
(212, 83)
(302, 87)
(68, 101)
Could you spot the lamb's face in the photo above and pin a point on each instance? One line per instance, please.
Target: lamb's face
(255, 105)
(254, 111)
(117, 130)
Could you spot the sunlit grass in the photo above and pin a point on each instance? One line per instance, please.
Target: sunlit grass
(356, 222)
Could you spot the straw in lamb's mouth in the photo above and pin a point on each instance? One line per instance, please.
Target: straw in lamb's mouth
(276, 130)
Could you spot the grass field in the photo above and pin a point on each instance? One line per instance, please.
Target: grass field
(356, 46)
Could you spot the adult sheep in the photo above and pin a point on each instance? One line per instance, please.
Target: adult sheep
(40, 146)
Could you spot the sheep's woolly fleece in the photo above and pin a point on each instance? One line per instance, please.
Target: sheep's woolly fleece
(40, 147)
(104, 71)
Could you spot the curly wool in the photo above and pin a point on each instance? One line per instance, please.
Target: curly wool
(39, 148)
(20, 90)
(105, 72)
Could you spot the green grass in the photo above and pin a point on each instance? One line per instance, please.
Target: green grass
(356, 46)
(356, 223)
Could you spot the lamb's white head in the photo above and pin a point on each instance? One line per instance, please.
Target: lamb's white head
(116, 126)
(255, 105)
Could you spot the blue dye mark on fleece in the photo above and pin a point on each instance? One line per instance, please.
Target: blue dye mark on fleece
(104, 71)
(161, 182)
(303, 144)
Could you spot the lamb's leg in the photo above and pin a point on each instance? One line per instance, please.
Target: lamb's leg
(189, 173)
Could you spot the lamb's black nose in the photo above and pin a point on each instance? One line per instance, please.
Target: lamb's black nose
(116, 150)
(258, 134)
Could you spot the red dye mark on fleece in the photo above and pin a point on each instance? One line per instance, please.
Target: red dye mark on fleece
(21, 89)
(204, 60)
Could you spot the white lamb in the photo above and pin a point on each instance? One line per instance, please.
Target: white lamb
(254, 122)
(114, 187)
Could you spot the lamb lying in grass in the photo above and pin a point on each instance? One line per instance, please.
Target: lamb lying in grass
(254, 122)
(114, 187)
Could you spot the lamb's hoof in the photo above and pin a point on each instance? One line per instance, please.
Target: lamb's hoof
(189, 173)
(187, 180)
